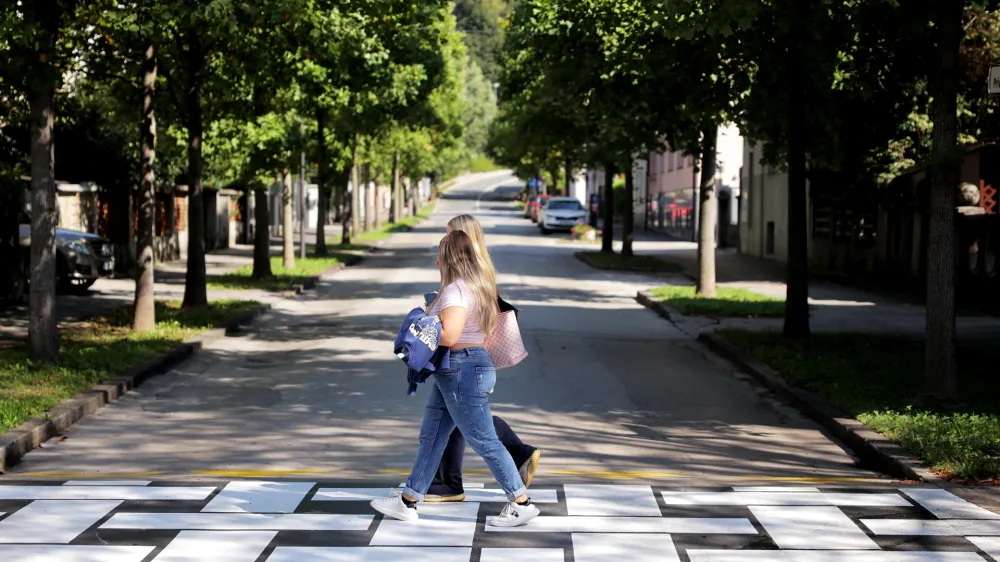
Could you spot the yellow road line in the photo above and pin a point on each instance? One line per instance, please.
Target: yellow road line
(812, 479)
(406, 472)
(81, 475)
(259, 473)
(615, 475)
(604, 474)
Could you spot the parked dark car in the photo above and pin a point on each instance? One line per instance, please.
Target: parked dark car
(81, 258)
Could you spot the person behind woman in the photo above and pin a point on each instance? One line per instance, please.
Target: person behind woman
(459, 396)
(447, 485)
(469, 225)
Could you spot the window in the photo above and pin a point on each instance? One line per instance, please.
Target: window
(670, 161)
(564, 205)
(690, 162)
(770, 237)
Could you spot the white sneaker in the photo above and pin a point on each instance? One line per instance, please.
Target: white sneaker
(514, 515)
(394, 507)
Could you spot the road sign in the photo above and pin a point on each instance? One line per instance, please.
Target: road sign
(994, 81)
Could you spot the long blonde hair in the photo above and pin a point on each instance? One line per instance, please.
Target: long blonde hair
(469, 225)
(458, 259)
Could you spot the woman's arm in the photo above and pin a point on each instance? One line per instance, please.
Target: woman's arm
(452, 324)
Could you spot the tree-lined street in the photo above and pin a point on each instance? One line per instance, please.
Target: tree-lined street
(308, 400)
(312, 386)
(214, 216)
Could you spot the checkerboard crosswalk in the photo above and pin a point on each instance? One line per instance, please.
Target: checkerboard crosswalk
(292, 521)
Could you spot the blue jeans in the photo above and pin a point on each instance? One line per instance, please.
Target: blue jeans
(448, 480)
(460, 397)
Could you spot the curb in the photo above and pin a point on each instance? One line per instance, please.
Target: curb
(582, 256)
(669, 313)
(31, 434)
(310, 283)
(872, 447)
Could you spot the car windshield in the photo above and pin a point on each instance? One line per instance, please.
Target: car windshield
(564, 206)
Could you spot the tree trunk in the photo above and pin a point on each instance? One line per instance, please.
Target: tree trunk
(628, 219)
(376, 203)
(414, 197)
(397, 192)
(941, 374)
(322, 205)
(195, 291)
(42, 329)
(261, 235)
(339, 191)
(367, 172)
(144, 313)
(303, 211)
(351, 218)
(797, 269)
(608, 236)
(569, 176)
(287, 221)
(708, 210)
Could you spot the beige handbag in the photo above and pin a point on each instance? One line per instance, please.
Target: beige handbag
(504, 345)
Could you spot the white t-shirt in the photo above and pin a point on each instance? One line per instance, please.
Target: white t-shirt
(458, 294)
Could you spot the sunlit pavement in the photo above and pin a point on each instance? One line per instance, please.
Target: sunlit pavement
(265, 445)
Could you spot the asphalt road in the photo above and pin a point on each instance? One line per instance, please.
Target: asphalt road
(609, 392)
(266, 446)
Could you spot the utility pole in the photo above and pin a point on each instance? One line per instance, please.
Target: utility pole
(302, 206)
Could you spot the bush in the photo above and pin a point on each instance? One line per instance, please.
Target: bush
(584, 232)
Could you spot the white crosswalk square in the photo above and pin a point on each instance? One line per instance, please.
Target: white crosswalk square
(285, 521)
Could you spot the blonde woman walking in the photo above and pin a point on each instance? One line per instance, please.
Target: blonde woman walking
(448, 483)
(459, 396)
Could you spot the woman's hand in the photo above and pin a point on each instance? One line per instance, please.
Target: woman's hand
(452, 324)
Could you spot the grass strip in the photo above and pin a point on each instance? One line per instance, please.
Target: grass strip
(878, 380)
(406, 224)
(729, 302)
(282, 279)
(95, 352)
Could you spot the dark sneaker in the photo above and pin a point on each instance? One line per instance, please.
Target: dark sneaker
(514, 515)
(393, 506)
(527, 470)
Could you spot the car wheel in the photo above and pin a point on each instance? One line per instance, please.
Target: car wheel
(543, 229)
(81, 286)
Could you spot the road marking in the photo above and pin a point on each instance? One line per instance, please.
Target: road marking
(615, 475)
(815, 479)
(605, 474)
(259, 473)
(79, 475)
(638, 475)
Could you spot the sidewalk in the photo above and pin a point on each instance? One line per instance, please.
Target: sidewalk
(111, 293)
(835, 307)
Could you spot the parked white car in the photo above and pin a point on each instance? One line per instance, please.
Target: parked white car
(561, 213)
